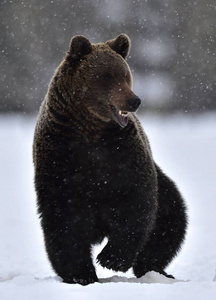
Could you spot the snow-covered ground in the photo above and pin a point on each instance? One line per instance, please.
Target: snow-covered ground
(184, 147)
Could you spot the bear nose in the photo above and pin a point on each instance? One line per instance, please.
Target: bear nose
(134, 102)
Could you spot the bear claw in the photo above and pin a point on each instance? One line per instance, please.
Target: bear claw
(82, 281)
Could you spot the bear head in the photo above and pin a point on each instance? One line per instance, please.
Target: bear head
(99, 79)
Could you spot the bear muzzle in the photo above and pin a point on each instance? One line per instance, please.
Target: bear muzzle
(134, 103)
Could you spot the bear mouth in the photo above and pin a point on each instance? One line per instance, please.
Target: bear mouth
(121, 116)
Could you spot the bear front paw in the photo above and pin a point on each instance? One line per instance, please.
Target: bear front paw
(83, 279)
(115, 260)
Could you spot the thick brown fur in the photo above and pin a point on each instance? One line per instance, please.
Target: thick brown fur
(94, 172)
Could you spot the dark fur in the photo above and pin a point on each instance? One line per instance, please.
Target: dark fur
(95, 179)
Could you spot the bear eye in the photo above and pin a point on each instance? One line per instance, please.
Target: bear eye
(108, 77)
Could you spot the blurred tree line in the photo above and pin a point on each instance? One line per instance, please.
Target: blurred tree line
(173, 54)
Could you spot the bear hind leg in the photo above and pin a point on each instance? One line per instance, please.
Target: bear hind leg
(165, 240)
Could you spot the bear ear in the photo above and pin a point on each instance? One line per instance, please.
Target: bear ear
(121, 44)
(79, 47)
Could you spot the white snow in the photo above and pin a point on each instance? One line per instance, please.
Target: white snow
(184, 147)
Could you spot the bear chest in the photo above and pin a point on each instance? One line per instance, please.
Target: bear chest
(109, 168)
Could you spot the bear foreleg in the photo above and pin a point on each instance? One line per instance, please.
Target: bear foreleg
(69, 251)
(127, 234)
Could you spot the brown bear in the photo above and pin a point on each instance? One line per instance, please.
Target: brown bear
(94, 172)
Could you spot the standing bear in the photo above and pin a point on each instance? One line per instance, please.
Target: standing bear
(95, 176)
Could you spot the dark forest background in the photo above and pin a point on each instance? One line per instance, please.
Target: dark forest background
(173, 54)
